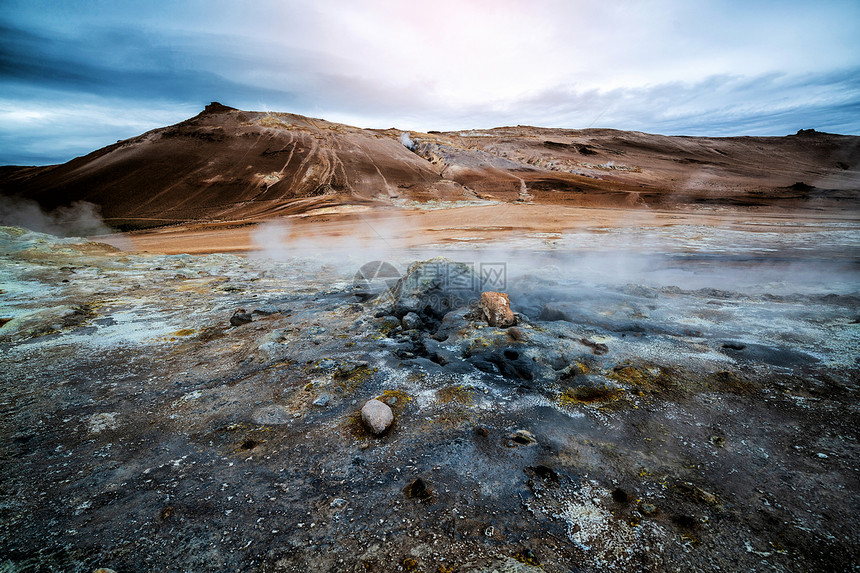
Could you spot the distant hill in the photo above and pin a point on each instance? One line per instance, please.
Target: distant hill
(231, 165)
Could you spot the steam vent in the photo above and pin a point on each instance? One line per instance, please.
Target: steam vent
(314, 347)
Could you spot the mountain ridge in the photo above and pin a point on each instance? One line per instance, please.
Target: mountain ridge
(230, 165)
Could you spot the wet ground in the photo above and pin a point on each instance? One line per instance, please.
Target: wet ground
(675, 399)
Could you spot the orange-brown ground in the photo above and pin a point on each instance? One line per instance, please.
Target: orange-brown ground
(409, 228)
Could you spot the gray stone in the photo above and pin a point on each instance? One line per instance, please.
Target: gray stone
(389, 325)
(322, 400)
(377, 416)
(411, 321)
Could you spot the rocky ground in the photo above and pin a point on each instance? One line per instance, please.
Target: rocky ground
(669, 409)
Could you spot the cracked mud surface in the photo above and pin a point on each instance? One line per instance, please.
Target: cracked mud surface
(698, 414)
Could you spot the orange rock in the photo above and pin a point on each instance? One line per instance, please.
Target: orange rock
(496, 309)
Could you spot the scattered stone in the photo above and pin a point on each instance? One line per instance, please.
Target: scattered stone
(326, 364)
(377, 416)
(322, 401)
(411, 321)
(417, 489)
(240, 317)
(597, 348)
(646, 508)
(496, 309)
(389, 324)
(481, 431)
(516, 334)
(508, 565)
(338, 503)
(98, 423)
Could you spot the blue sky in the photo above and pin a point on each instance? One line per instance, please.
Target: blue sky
(76, 76)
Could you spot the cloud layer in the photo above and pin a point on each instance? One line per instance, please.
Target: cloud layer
(78, 76)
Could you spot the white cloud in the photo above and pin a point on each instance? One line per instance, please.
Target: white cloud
(76, 76)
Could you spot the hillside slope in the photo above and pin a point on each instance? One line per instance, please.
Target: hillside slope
(230, 165)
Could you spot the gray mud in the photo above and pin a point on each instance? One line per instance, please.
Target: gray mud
(655, 412)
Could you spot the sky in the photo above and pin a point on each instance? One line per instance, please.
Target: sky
(76, 76)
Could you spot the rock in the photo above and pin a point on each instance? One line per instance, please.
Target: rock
(240, 317)
(435, 287)
(338, 503)
(496, 309)
(377, 416)
(322, 401)
(516, 334)
(389, 325)
(98, 423)
(647, 508)
(411, 321)
(452, 325)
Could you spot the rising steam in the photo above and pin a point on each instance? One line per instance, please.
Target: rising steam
(407, 141)
(79, 219)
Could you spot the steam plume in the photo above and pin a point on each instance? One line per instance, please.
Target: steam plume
(78, 219)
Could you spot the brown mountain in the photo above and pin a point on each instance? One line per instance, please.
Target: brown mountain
(230, 165)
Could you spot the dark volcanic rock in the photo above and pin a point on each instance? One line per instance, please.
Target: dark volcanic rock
(411, 321)
(240, 317)
(430, 289)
